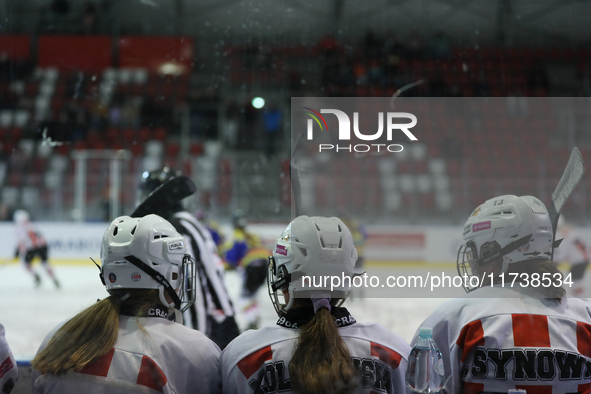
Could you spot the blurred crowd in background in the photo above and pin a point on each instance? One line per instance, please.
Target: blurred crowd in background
(220, 117)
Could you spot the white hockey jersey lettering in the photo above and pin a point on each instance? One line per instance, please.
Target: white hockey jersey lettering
(500, 361)
(528, 364)
(373, 374)
(344, 321)
(157, 312)
(525, 365)
(286, 323)
(271, 379)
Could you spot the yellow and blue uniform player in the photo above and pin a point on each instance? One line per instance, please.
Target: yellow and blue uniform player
(214, 229)
(247, 254)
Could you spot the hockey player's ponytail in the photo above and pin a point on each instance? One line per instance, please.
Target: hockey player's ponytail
(90, 334)
(321, 362)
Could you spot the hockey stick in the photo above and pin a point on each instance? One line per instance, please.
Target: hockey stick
(571, 177)
(165, 195)
(294, 174)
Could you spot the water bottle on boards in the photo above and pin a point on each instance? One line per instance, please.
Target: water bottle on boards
(425, 365)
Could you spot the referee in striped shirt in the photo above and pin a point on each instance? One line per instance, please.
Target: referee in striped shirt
(213, 312)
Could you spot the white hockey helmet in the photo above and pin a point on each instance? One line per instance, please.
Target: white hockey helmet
(148, 253)
(21, 216)
(508, 227)
(314, 247)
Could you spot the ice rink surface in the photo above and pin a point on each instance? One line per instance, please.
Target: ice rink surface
(29, 313)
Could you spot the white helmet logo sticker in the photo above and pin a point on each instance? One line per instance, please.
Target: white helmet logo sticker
(175, 245)
(282, 250)
(480, 226)
(136, 277)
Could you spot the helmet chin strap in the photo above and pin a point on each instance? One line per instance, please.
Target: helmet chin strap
(162, 297)
(164, 285)
(291, 299)
(173, 314)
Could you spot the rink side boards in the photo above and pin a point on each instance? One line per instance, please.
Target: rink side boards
(73, 243)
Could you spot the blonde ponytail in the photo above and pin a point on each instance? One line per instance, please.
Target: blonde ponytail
(321, 362)
(90, 334)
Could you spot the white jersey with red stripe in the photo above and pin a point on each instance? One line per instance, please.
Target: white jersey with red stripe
(492, 344)
(8, 368)
(258, 360)
(28, 237)
(163, 357)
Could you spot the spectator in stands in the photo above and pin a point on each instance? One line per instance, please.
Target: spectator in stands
(76, 85)
(89, 18)
(415, 48)
(437, 87)
(250, 52)
(394, 47)
(329, 46)
(273, 127)
(538, 81)
(231, 127)
(80, 126)
(5, 101)
(375, 71)
(250, 125)
(372, 45)
(18, 161)
(345, 74)
(5, 66)
(63, 129)
(391, 67)
(440, 46)
(329, 50)
(130, 116)
(98, 113)
(60, 7)
(115, 113)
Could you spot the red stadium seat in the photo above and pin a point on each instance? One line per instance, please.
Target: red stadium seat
(113, 133)
(145, 135)
(173, 149)
(136, 148)
(196, 149)
(160, 133)
(129, 135)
